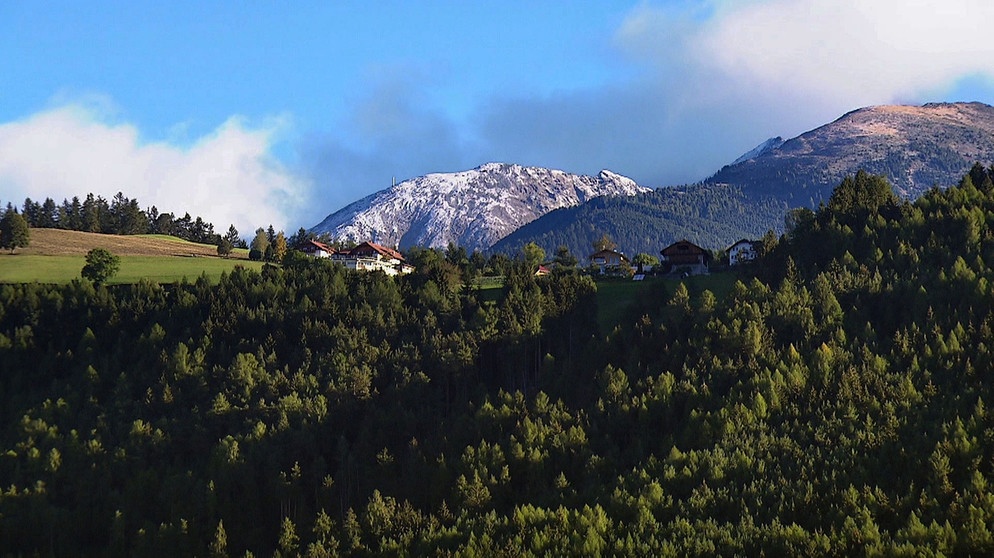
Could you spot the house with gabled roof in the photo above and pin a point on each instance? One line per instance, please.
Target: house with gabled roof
(367, 256)
(607, 260)
(370, 256)
(685, 257)
(741, 252)
(317, 249)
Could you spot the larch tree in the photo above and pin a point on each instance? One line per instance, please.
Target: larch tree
(257, 250)
(279, 247)
(604, 243)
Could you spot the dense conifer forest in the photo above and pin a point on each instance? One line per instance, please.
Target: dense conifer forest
(711, 215)
(833, 403)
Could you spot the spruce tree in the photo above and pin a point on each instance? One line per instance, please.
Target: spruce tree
(14, 232)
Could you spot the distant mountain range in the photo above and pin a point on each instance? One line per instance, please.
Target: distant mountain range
(915, 147)
(473, 208)
(504, 206)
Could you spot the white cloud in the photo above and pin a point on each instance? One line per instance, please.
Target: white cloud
(227, 177)
(720, 76)
(848, 52)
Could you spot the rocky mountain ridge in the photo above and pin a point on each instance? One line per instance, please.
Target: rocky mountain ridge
(473, 208)
(915, 147)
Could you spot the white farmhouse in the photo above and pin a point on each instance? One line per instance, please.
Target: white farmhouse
(741, 252)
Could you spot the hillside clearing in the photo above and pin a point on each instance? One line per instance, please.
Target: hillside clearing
(57, 242)
(57, 256)
(618, 300)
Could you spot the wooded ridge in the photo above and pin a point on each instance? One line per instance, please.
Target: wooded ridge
(834, 402)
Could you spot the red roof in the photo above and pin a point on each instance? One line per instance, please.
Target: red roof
(314, 245)
(372, 247)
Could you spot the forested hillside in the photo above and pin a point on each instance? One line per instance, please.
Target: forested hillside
(122, 215)
(833, 403)
(710, 215)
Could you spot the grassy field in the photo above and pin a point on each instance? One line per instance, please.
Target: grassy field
(616, 298)
(56, 256)
(489, 289)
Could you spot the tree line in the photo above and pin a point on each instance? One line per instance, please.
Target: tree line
(120, 215)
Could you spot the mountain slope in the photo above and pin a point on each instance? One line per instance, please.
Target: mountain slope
(760, 149)
(915, 147)
(711, 215)
(472, 208)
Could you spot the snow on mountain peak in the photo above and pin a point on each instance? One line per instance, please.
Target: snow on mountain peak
(766, 146)
(473, 208)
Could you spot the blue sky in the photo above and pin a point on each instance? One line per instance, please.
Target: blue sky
(261, 112)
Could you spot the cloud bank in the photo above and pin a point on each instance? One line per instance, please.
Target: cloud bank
(849, 51)
(227, 177)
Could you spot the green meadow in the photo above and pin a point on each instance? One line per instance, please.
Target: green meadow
(617, 299)
(27, 268)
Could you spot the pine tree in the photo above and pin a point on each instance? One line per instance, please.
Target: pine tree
(14, 232)
(233, 237)
(289, 540)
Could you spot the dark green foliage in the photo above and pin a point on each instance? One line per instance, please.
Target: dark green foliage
(711, 215)
(233, 237)
(832, 402)
(224, 248)
(564, 258)
(121, 216)
(858, 197)
(100, 266)
(14, 231)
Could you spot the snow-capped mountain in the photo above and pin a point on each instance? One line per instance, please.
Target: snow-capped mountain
(473, 208)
